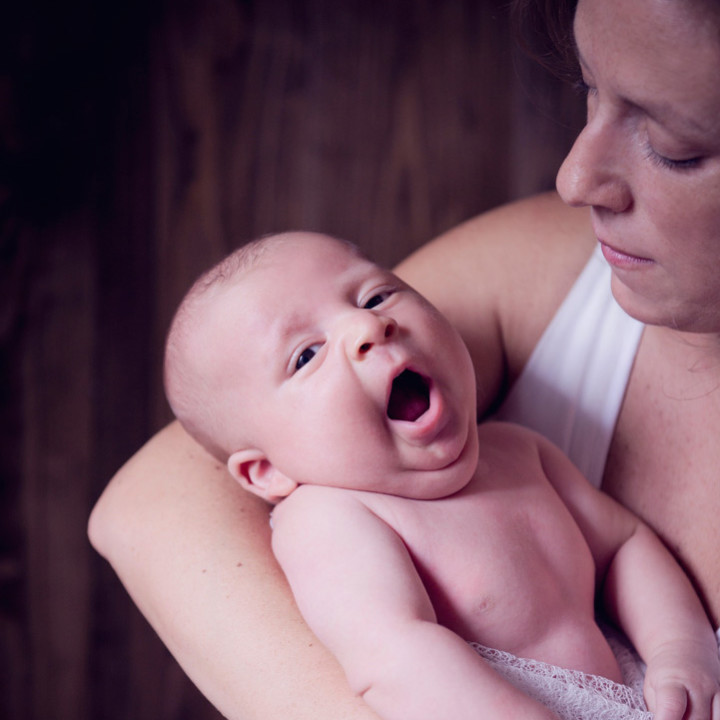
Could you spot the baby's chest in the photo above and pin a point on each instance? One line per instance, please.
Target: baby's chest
(494, 553)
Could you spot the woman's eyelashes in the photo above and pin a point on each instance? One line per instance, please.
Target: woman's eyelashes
(582, 88)
(670, 163)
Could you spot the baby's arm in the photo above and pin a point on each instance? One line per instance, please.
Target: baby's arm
(358, 589)
(652, 600)
(647, 594)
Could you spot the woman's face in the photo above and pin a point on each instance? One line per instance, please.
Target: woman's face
(648, 160)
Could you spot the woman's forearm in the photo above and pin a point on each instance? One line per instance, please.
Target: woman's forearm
(193, 551)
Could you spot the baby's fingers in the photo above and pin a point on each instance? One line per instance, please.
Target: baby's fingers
(668, 701)
(674, 702)
(702, 705)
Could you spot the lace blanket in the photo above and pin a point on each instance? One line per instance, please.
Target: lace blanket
(575, 695)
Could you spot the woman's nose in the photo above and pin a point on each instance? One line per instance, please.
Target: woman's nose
(593, 171)
(368, 330)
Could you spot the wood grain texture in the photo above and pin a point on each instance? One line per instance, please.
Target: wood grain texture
(137, 149)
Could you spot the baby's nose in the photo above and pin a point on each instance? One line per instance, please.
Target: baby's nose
(374, 330)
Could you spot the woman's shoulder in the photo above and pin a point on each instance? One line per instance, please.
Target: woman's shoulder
(500, 277)
(538, 232)
(533, 215)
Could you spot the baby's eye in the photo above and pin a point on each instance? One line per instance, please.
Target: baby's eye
(306, 356)
(377, 299)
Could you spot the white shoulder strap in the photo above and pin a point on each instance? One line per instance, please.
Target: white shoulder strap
(572, 388)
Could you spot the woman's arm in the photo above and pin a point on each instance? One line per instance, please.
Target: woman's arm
(193, 550)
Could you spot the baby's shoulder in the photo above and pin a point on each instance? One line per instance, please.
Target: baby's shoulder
(317, 520)
(512, 450)
(315, 506)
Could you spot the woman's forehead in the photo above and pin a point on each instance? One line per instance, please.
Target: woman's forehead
(661, 55)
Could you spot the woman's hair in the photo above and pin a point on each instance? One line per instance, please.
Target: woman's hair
(544, 30)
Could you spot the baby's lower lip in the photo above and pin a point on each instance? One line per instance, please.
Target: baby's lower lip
(428, 426)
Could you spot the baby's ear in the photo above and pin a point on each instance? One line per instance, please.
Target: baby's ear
(258, 475)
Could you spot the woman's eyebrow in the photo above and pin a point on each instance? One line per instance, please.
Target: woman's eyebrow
(662, 112)
(667, 115)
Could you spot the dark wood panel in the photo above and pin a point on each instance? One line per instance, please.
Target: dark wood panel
(137, 148)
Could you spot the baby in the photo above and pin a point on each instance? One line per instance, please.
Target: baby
(335, 391)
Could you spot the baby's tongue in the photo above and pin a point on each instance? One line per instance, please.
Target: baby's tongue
(409, 398)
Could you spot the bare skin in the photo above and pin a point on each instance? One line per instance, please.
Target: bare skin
(232, 570)
(668, 474)
(404, 585)
(499, 278)
(378, 492)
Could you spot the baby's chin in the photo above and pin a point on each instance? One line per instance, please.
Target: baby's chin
(436, 483)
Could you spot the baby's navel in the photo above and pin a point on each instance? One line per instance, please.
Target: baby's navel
(485, 605)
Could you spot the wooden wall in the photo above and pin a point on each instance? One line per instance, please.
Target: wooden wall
(140, 144)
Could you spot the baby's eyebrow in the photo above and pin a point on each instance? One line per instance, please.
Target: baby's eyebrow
(283, 328)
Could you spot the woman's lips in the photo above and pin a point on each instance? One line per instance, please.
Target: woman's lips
(620, 259)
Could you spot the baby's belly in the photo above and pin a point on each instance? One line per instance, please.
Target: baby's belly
(535, 610)
(578, 646)
(558, 631)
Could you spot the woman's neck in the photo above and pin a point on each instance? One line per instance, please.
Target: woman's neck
(690, 361)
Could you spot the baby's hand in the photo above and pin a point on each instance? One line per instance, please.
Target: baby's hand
(683, 682)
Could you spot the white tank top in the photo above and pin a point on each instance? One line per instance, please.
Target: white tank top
(573, 385)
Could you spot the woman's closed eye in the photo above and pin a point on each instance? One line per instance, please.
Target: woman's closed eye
(671, 163)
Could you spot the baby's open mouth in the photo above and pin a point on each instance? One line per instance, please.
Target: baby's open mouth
(409, 397)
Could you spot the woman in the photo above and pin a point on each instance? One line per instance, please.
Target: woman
(642, 182)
